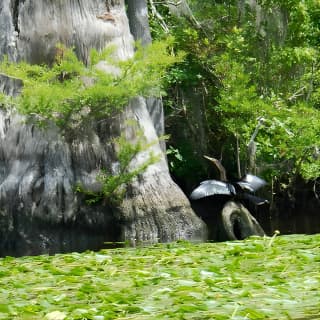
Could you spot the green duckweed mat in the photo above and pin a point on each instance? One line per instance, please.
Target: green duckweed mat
(259, 278)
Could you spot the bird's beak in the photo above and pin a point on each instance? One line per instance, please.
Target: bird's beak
(210, 159)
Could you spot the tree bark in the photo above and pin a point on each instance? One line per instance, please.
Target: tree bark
(155, 208)
(139, 27)
(39, 169)
(138, 20)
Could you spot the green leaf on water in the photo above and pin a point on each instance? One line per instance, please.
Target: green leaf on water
(169, 281)
(55, 315)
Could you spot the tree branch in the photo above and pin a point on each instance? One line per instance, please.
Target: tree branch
(159, 16)
(252, 147)
(297, 94)
(173, 3)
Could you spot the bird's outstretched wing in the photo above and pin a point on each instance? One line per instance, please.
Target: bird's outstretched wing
(245, 186)
(251, 183)
(254, 199)
(212, 187)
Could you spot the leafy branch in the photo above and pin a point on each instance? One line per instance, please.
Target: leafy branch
(69, 92)
(114, 185)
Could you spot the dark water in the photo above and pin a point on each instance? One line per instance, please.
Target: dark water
(291, 220)
(298, 215)
(301, 218)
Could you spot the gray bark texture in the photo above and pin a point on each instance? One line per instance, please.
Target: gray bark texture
(40, 212)
(138, 20)
(155, 208)
(139, 27)
(10, 86)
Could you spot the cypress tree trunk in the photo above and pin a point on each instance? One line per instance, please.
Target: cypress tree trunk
(139, 27)
(39, 169)
(138, 20)
(153, 204)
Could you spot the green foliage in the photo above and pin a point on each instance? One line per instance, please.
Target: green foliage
(290, 134)
(182, 162)
(69, 92)
(114, 184)
(144, 73)
(174, 156)
(252, 63)
(5, 100)
(259, 278)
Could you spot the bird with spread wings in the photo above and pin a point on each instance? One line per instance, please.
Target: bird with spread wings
(242, 189)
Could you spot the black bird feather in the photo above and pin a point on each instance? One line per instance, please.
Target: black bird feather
(249, 183)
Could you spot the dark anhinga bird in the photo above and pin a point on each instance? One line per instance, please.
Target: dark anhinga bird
(239, 189)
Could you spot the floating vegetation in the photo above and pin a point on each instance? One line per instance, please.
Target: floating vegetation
(259, 278)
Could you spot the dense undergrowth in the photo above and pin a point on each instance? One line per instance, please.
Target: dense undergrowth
(259, 278)
(245, 61)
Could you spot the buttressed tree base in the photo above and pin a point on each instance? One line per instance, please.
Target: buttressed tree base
(40, 167)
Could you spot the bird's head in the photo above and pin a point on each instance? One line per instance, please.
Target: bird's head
(220, 167)
(213, 160)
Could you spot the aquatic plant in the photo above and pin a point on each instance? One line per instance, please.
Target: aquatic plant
(252, 279)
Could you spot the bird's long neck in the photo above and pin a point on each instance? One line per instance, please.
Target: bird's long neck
(220, 167)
